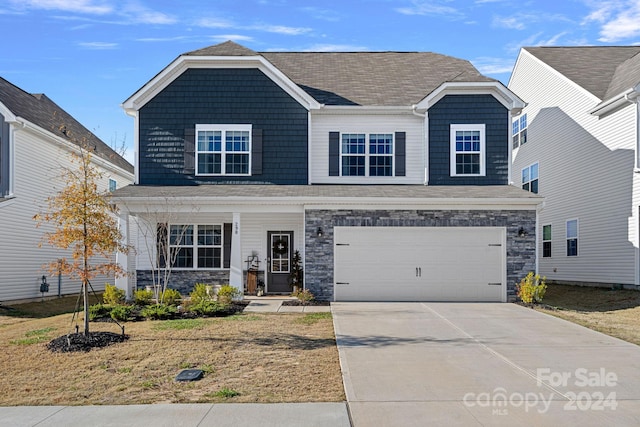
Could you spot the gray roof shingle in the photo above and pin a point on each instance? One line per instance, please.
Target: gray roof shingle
(43, 112)
(604, 71)
(362, 78)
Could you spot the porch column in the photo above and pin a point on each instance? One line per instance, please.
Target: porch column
(122, 259)
(235, 275)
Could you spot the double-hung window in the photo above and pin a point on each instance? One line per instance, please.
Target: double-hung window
(195, 246)
(530, 178)
(519, 131)
(223, 149)
(367, 155)
(113, 184)
(468, 150)
(572, 237)
(546, 241)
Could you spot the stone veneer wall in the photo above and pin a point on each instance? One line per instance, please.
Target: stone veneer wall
(521, 251)
(184, 280)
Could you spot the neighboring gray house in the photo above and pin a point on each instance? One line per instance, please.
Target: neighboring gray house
(576, 144)
(36, 140)
(388, 171)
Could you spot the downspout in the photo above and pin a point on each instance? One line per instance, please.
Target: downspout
(425, 146)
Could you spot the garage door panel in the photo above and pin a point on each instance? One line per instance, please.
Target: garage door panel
(419, 264)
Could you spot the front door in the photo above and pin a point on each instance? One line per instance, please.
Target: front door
(279, 264)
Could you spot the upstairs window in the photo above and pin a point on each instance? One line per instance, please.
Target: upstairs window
(530, 178)
(572, 237)
(223, 149)
(519, 131)
(468, 150)
(367, 155)
(112, 185)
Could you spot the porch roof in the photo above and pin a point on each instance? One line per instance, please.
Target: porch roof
(317, 194)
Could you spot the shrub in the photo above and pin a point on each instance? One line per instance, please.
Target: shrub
(207, 307)
(143, 297)
(170, 297)
(121, 312)
(227, 293)
(305, 296)
(200, 293)
(158, 312)
(99, 311)
(113, 295)
(532, 288)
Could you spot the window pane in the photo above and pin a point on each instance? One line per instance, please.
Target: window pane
(525, 175)
(516, 128)
(209, 163)
(546, 232)
(237, 141)
(534, 171)
(546, 249)
(534, 186)
(572, 247)
(353, 143)
(353, 165)
(572, 229)
(516, 141)
(523, 137)
(182, 257)
(209, 140)
(523, 121)
(380, 144)
(209, 235)
(467, 164)
(237, 164)
(181, 235)
(525, 186)
(209, 258)
(468, 140)
(380, 166)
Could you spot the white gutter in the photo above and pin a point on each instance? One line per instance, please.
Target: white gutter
(425, 137)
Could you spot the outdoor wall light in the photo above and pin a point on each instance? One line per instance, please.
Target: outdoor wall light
(522, 232)
(319, 233)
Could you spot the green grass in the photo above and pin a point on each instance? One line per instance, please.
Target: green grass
(180, 324)
(312, 318)
(226, 393)
(242, 317)
(34, 337)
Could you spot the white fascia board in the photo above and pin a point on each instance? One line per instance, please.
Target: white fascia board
(185, 62)
(363, 109)
(506, 97)
(8, 115)
(141, 205)
(50, 137)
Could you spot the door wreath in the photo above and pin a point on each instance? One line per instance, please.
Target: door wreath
(280, 247)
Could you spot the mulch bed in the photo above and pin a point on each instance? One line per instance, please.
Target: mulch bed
(295, 303)
(82, 342)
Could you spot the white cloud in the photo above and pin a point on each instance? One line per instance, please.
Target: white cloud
(98, 45)
(619, 19)
(426, 7)
(136, 13)
(323, 14)
(213, 23)
(492, 66)
(511, 22)
(162, 39)
(281, 29)
(276, 29)
(77, 6)
(234, 37)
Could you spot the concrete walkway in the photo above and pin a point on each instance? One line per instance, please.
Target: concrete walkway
(481, 364)
(271, 304)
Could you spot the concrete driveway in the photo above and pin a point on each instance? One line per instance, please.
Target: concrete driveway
(472, 364)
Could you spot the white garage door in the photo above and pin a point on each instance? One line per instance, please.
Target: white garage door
(420, 264)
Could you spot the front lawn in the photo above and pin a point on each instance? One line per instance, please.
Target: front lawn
(613, 312)
(245, 357)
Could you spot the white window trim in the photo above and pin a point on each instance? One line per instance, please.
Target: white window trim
(530, 180)
(195, 247)
(367, 154)
(223, 128)
(452, 145)
(566, 228)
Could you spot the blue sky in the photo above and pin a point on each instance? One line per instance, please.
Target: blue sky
(90, 55)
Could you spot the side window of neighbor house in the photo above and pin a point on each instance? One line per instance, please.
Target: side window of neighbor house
(546, 241)
(223, 149)
(112, 184)
(572, 237)
(519, 131)
(467, 150)
(530, 178)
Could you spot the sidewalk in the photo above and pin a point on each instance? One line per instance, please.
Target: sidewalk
(271, 304)
(188, 415)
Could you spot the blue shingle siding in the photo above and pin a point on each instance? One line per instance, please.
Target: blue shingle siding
(223, 96)
(469, 109)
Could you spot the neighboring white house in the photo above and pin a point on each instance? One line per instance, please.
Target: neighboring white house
(576, 144)
(36, 140)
